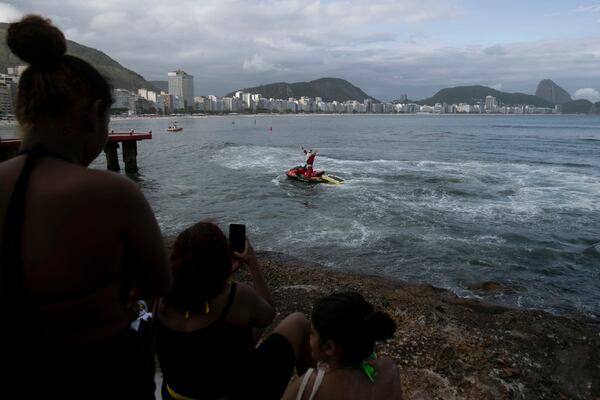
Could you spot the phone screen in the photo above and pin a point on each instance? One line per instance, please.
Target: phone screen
(237, 237)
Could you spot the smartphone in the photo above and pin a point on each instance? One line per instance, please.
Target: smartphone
(237, 237)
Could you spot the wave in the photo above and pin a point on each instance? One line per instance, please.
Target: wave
(522, 126)
(566, 164)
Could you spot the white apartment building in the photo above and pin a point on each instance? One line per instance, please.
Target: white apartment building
(17, 71)
(490, 104)
(247, 100)
(6, 104)
(8, 92)
(124, 99)
(147, 94)
(227, 104)
(463, 108)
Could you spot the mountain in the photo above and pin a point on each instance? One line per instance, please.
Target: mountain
(550, 91)
(161, 85)
(329, 89)
(474, 94)
(595, 109)
(577, 107)
(117, 75)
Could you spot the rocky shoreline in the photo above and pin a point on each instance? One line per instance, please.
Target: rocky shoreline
(449, 347)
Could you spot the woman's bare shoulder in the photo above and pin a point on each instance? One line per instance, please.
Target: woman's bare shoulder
(387, 380)
(107, 179)
(10, 168)
(107, 185)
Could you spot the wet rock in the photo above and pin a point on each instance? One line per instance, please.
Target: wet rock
(488, 287)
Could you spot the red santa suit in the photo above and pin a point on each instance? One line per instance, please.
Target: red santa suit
(310, 159)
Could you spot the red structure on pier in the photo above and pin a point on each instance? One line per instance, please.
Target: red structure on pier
(10, 148)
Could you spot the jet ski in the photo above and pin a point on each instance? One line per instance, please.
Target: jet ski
(298, 173)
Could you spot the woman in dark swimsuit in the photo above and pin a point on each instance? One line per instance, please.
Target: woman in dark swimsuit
(76, 244)
(208, 326)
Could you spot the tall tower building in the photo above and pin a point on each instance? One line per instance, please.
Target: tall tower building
(181, 84)
(490, 104)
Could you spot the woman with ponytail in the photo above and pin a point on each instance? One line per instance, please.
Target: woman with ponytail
(77, 245)
(344, 329)
(208, 326)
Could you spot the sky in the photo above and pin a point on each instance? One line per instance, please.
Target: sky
(385, 47)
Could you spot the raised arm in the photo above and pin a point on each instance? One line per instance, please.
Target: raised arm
(260, 301)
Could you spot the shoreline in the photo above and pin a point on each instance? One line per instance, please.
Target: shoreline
(456, 348)
(480, 292)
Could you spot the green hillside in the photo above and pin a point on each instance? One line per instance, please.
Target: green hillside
(474, 94)
(577, 107)
(161, 85)
(118, 76)
(329, 89)
(595, 109)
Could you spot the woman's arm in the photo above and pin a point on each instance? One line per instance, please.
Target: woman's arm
(258, 298)
(260, 284)
(145, 249)
(292, 390)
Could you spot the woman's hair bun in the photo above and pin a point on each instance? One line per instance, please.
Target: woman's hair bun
(380, 325)
(36, 41)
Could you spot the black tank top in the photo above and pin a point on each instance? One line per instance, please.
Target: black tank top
(120, 368)
(15, 299)
(205, 363)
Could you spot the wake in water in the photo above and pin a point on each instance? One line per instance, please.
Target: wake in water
(496, 217)
(448, 201)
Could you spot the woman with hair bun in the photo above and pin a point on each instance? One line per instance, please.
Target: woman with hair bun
(207, 328)
(76, 245)
(344, 328)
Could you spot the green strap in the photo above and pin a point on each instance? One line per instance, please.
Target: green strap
(367, 368)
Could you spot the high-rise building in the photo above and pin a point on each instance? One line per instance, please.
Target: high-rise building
(5, 99)
(490, 104)
(182, 85)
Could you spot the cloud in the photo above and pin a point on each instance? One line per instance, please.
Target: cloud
(496, 50)
(588, 94)
(590, 8)
(228, 44)
(497, 86)
(9, 13)
(257, 63)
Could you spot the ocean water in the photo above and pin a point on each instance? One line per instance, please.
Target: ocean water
(444, 199)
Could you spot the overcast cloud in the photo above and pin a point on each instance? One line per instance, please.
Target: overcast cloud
(385, 47)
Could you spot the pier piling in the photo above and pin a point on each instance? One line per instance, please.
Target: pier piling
(130, 157)
(10, 148)
(112, 158)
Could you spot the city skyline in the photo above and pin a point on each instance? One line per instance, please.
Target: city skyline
(386, 48)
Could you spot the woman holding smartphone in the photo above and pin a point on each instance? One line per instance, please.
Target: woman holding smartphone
(208, 326)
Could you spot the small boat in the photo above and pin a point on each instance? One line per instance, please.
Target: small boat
(298, 173)
(174, 128)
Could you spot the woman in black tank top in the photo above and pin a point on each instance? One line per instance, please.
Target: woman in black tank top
(75, 244)
(207, 327)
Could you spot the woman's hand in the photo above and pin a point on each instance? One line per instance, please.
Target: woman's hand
(247, 257)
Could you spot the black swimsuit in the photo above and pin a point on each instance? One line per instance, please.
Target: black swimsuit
(30, 366)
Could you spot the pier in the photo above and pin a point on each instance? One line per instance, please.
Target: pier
(128, 140)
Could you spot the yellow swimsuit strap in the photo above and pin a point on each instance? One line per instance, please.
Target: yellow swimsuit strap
(176, 395)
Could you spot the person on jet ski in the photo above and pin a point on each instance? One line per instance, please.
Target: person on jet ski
(310, 159)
